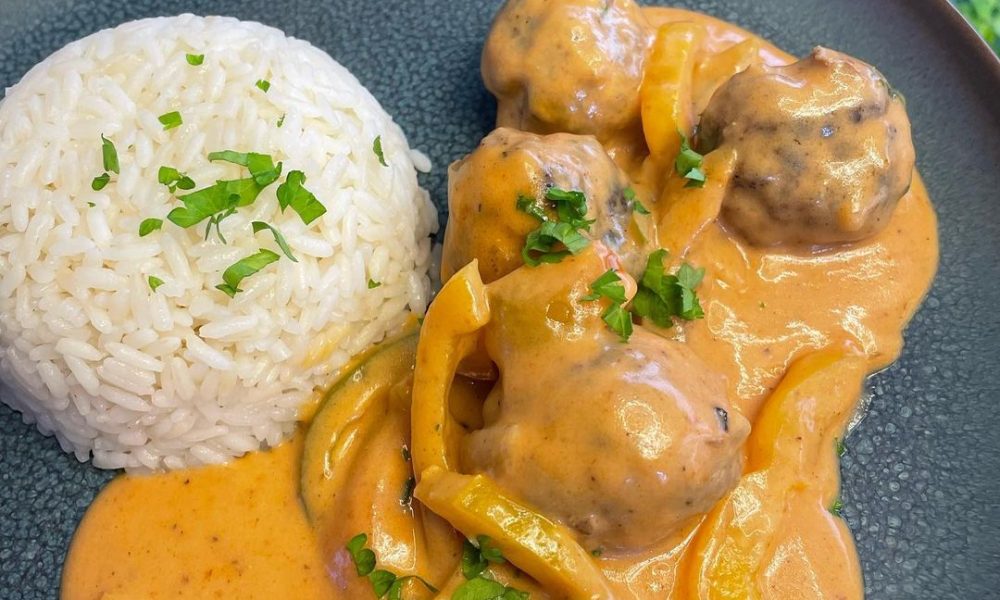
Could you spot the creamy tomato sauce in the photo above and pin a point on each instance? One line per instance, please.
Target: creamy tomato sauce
(789, 333)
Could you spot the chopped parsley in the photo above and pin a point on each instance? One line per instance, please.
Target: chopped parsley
(281, 121)
(170, 120)
(263, 84)
(154, 282)
(406, 498)
(377, 149)
(609, 285)
(837, 508)
(174, 179)
(261, 166)
(372, 284)
(91, 205)
(688, 164)
(148, 226)
(109, 159)
(195, 60)
(385, 584)
(597, 552)
(243, 268)
(841, 447)
(476, 557)
(661, 297)
(110, 155)
(292, 193)
(630, 197)
(278, 238)
(543, 244)
(100, 182)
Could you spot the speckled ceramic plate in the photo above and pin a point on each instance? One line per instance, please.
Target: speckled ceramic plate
(922, 471)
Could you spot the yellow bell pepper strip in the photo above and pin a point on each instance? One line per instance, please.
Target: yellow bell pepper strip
(546, 551)
(449, 334)
(717, 69)
(345, 416)
(665, 94)
(689, 210)
(775, 534)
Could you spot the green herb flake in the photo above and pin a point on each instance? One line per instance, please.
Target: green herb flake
(100, 182)
(263, 84)
(278, 238)
(840, 446)
(609, 285)
(292, 193)
(837, 508)
(195, 60)
(406, 498)
(243, 268)
(637, 206)
(170, 120)
(261, 166)
(91, 204)
(377, 149)
(384, 583)
(618, 320)
(541, 244)
(597, 552)
(154, 282)
(688, 164)
(661, 297)
(281, 121)
(528, 205)
(148, 226)
(109, 154)
(372, 284)
(481, 588)
(174, 179)
(571, 207)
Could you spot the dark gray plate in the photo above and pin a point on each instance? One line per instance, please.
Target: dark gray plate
(922, 472)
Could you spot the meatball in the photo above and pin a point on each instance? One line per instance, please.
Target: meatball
(624, 443)
(483, 188)
(823, 146)
(572, 65)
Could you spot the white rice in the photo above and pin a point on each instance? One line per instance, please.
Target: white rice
(185, 375)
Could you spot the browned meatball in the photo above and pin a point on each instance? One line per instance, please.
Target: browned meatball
(824, 150)
(624, 443)
(484, 221)
(569, 65)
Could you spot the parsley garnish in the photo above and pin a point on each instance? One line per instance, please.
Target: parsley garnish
(372, 284)
(154, 282)
(661, 297)
(475, 560)
(278, 238)
(100, 182)
(281, 121)
(195, 59)
(637, 206)
(170, 120)
(244, 268)
(174, 179)
(109, 156)
(91, 205)
(609, 285)
(148, 226)
(541, 245)
(291, 193)
(841, 447)
(384, 583)
(406, 498)
(263, 85)
(261, 166)
(597, 552)
(837, 507)
(377, 149)
(688, 164)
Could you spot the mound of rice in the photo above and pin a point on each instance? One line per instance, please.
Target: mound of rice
(185, 375)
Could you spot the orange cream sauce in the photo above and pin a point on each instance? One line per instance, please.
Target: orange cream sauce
(772, 317)
(234, 531)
